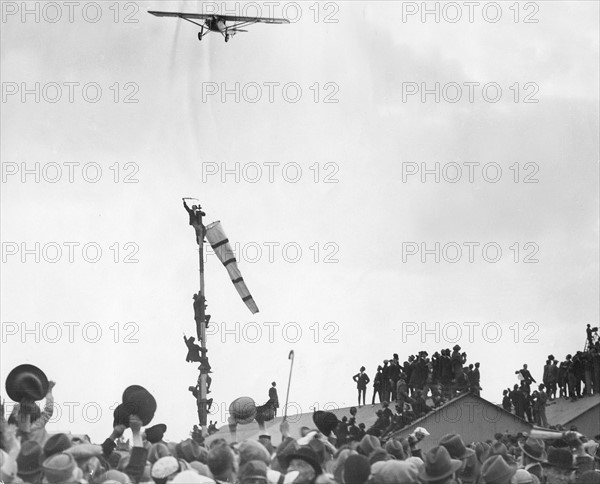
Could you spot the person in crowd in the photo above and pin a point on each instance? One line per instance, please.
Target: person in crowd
(506, 400)
(377, 385)
(540, 406)
(525, 376)
(533, 456)
(362, 380)
(222, 463)
(273, 397)
(553, 380)
(30, 420)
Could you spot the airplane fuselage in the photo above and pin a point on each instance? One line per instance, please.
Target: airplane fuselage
(216, 25)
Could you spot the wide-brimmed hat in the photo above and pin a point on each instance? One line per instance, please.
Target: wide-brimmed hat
(56, 444)
(455, 446)
(29, 460)
(306, 454)
(561, 458)
(438, 464)
(498, 448)
(368, 444)
(26, 382)
(535, 449)
(136, 401)
(326, 422)
(495, 470)
(394, 448)
(155, 433)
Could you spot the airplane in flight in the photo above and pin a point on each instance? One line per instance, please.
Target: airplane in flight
(218, 23)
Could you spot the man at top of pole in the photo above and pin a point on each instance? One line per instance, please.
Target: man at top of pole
(196, 215)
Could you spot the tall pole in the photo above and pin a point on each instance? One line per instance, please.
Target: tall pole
(287, 395)
(201, 391)
(202, 330)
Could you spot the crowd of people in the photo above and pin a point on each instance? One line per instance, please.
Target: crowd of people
(319, 455)
(418, 385)
(577, 376)
(333, 451)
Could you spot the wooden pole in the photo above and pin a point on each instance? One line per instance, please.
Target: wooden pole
(201, 330)
(287, 395)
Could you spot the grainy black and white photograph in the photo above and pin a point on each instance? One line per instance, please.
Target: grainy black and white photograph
(300, 242)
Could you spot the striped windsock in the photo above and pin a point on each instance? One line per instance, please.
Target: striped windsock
(220, 243)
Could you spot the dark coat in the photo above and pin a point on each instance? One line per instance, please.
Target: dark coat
(361, 380)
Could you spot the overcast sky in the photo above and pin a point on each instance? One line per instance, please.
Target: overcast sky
(309, 142)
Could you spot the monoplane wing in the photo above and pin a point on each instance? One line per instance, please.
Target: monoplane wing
(226, 18)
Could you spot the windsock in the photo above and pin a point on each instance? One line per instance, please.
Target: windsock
(220, 243)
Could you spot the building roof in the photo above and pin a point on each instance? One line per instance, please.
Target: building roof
(365, 414)
(454, 401)
(562, 411)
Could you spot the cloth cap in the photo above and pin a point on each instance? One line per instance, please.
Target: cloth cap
(116, 476)
(83, 452)
(164, 467)
(59, 468)
(191, 477)
(395, 472)
(522, 477)
(188, 450)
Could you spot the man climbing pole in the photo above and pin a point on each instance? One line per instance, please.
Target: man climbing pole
(196, 215)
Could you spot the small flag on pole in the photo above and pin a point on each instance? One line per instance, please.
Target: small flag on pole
(220, 243)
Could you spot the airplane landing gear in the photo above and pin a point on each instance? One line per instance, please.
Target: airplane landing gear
(201, 34)
(226, 37)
